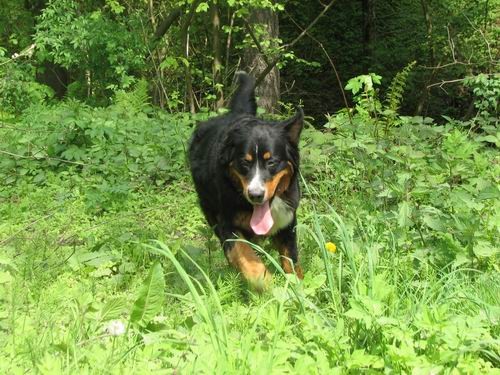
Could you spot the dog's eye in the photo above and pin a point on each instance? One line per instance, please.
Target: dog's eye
(245, 164)
(271, 163)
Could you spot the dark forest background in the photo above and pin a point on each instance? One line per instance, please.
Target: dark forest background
(187, 52)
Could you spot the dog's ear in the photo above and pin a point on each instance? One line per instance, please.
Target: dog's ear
(293, 127)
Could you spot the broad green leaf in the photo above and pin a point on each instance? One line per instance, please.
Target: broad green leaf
(484, 249)
(489, 192)
(5, 277)
(151, 297)
(404, 214)
(113, 308)
(433, 222)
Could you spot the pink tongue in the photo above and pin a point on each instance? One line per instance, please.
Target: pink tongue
(261, 221)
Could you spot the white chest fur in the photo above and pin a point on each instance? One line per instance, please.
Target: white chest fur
(282, 215)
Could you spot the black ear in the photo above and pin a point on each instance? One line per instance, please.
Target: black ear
(293, 127)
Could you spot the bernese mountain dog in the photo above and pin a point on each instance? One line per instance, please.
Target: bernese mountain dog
(245, 172)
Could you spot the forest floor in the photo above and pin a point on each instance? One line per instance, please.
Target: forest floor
(398, 237)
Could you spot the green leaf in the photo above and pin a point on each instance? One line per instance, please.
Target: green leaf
(489, 192)
(404, 214)
(354, 85)
(433, 222)
(359, 359)
(151, 297)
(169, 63)
(202, 7)
(5, 277)
(483, 249)
(113, 308)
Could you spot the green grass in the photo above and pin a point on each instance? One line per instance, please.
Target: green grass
(413, 286)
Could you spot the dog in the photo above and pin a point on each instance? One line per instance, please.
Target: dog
(245, 171)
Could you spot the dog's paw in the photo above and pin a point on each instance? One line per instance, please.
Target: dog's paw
(260, 282)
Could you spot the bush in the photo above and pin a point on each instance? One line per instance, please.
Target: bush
(18, 87)
(114, 149)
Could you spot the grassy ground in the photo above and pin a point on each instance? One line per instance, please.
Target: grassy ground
(398, 240)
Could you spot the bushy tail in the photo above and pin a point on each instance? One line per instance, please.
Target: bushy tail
(243, 100)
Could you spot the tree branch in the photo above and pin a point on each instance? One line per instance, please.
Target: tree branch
(256, 41)
(292, 43)
(166, 23)
(333, 67)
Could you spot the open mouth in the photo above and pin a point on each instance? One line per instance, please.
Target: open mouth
(262, 220)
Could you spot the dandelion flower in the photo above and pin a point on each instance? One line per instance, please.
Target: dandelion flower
(331, 247)
(115, 328)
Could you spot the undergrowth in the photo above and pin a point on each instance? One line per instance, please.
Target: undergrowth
(106, 265)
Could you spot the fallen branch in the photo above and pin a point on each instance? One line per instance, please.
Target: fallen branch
(44, 157)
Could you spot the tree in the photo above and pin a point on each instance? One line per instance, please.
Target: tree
(265, 22)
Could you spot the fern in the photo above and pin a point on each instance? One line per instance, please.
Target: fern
(135, 101)
(395, 92)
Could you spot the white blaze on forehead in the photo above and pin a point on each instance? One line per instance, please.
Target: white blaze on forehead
(256, 182)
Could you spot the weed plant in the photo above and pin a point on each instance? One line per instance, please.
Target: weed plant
(106, 265)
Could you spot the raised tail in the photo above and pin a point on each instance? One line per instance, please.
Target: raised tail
(243, 101)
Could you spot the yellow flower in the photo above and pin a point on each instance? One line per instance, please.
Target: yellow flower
(331, 247)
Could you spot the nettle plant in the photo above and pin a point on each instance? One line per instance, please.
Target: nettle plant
(486, 91)
(115, 149)
(368, 105)
(435, 184)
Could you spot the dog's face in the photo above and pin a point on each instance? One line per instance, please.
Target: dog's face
(263, 157)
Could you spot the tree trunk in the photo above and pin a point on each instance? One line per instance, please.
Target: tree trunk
(268, 92)
(217, 55)
(424, 96)
(428, 26)
(184, 33)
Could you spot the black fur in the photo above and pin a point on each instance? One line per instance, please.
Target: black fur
(221, 143)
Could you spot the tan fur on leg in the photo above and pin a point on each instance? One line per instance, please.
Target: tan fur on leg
(244, 259)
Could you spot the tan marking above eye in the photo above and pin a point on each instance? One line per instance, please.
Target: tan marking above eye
(267, 155)
(248, 157)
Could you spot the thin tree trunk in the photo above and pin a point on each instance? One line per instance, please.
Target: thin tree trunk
(424, 96)
(368, 19)
(268, 91)
(187, 73)
(428, 26)
(185, 45)
(216, 49)
(228, 47)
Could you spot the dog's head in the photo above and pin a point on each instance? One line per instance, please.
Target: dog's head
(262, 157)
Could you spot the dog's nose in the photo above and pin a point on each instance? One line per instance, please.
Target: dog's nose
(256, 195)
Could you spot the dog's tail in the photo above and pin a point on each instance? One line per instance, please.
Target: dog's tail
(243, 101)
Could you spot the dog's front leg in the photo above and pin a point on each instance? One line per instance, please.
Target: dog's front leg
(286, 243)
(242, 257)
